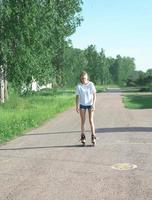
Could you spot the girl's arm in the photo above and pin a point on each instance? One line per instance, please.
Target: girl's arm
(77, 104)
(94, 101)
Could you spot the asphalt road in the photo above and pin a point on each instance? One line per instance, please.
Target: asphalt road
(48, 163)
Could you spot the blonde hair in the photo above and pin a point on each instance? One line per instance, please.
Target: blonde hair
(83, 73)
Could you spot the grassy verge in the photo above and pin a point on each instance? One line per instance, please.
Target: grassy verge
(21, 113)
(100, 88)
(138, 101)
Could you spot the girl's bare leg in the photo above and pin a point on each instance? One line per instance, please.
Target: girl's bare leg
(91, 121)
(83, 118)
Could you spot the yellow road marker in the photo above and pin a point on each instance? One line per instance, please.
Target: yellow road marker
(124, 166)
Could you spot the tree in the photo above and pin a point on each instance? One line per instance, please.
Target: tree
(2, 96)
(103, 72)
(22, 42)
(32, 38)
(132, 79)
(121, 69)
(141, 79)
(66, 17)
(74, 62)
(92, 57)
(111, 67)
(148, 79)
(149, 75)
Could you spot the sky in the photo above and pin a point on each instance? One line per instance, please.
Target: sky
(121, 27)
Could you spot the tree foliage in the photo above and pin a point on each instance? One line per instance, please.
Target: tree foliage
(32, 39)
(34, 44)
(101, 69)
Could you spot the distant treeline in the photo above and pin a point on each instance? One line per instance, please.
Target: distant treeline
(103, 70)
(34, 44)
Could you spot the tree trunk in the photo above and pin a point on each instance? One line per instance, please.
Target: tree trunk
(6, 89)
(2, 96)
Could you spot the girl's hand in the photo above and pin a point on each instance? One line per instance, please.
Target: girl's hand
(93, 108)
(77, 109)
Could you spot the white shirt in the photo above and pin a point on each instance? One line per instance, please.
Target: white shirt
(85, 93)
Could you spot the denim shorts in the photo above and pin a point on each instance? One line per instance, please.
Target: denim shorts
(85, 107)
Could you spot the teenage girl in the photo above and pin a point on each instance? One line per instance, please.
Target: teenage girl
(85, 100)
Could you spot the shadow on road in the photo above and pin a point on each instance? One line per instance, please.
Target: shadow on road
(101, 130)
(49, 133)
(98, 130)
(44, 147)
(124, 129)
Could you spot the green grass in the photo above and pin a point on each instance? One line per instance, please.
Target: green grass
(20, 114)
(100, 88)
(138, 101)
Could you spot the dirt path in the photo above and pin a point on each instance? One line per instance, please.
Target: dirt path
(48, 163)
